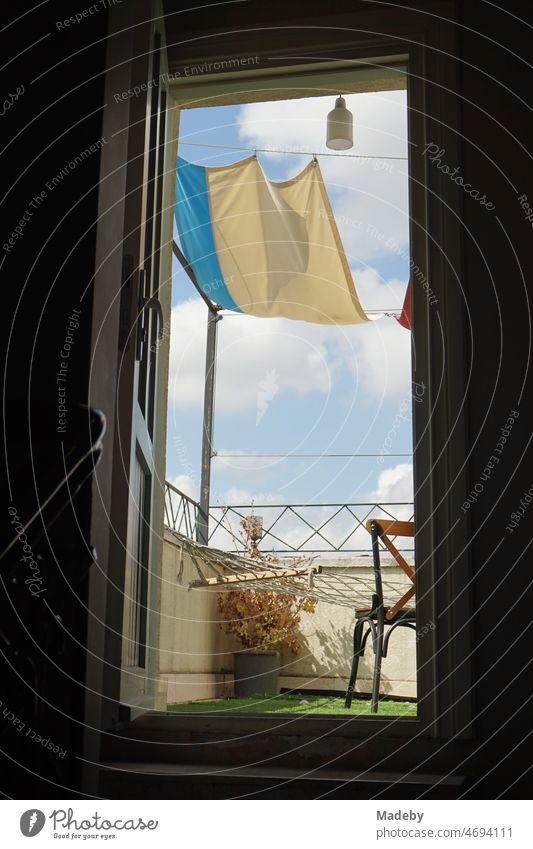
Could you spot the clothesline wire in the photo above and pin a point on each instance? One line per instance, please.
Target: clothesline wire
(262, 456)
(290, 152)
(391, 311)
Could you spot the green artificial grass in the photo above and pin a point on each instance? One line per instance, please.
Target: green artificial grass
(296, 704)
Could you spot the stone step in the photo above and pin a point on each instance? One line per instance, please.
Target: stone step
(244, 741)
(155, 780)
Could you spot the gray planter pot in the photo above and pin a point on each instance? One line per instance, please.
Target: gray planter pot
(256, 673)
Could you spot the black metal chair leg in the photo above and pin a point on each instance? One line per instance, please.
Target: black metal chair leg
(378, 648)
(404, 624)
(357, 652)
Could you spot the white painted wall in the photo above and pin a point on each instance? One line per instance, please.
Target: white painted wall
(196, 656)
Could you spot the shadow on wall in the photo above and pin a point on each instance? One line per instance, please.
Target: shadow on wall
(196, 659)
(326, 655)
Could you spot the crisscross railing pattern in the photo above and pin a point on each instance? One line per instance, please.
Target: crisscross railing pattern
(287, 528)
(296, 535)
(181, 511)
(306, 528)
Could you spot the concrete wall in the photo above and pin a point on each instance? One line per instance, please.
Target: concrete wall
(195, 655)
(196, 659)
(327, 638)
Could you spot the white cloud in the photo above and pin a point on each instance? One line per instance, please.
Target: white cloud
(248, 350)
(229, 532)
(380, 126)
(370, 197)
(239, 460)
(185, 484)
(288, 530)
(188, 332)
(378, 294)
(179, 514)
(305, 358)
(395, 484)
(235, 495)
(378, 354)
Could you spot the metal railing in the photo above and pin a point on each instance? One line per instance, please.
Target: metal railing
(287, 528)
(306, 528)
(181, 511)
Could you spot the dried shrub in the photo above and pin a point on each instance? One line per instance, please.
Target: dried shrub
(263, 620)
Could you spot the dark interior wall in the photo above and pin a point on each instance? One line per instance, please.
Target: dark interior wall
(496, 124)
(493, 97)
(50, 177)
(58, 117)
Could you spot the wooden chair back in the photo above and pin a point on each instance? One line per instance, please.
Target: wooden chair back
(382, 529)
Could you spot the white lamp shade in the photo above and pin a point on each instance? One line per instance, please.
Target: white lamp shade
(340, 127)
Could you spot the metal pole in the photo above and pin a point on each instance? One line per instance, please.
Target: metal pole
(202, 528)
(192, 277)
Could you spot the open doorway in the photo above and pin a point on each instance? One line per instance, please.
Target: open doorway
(312, 424)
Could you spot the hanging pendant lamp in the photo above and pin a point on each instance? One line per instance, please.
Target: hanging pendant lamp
(340, 126)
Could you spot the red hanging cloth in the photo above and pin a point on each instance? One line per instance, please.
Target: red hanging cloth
(405, 318)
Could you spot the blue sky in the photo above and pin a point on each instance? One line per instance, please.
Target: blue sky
(286, 387)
